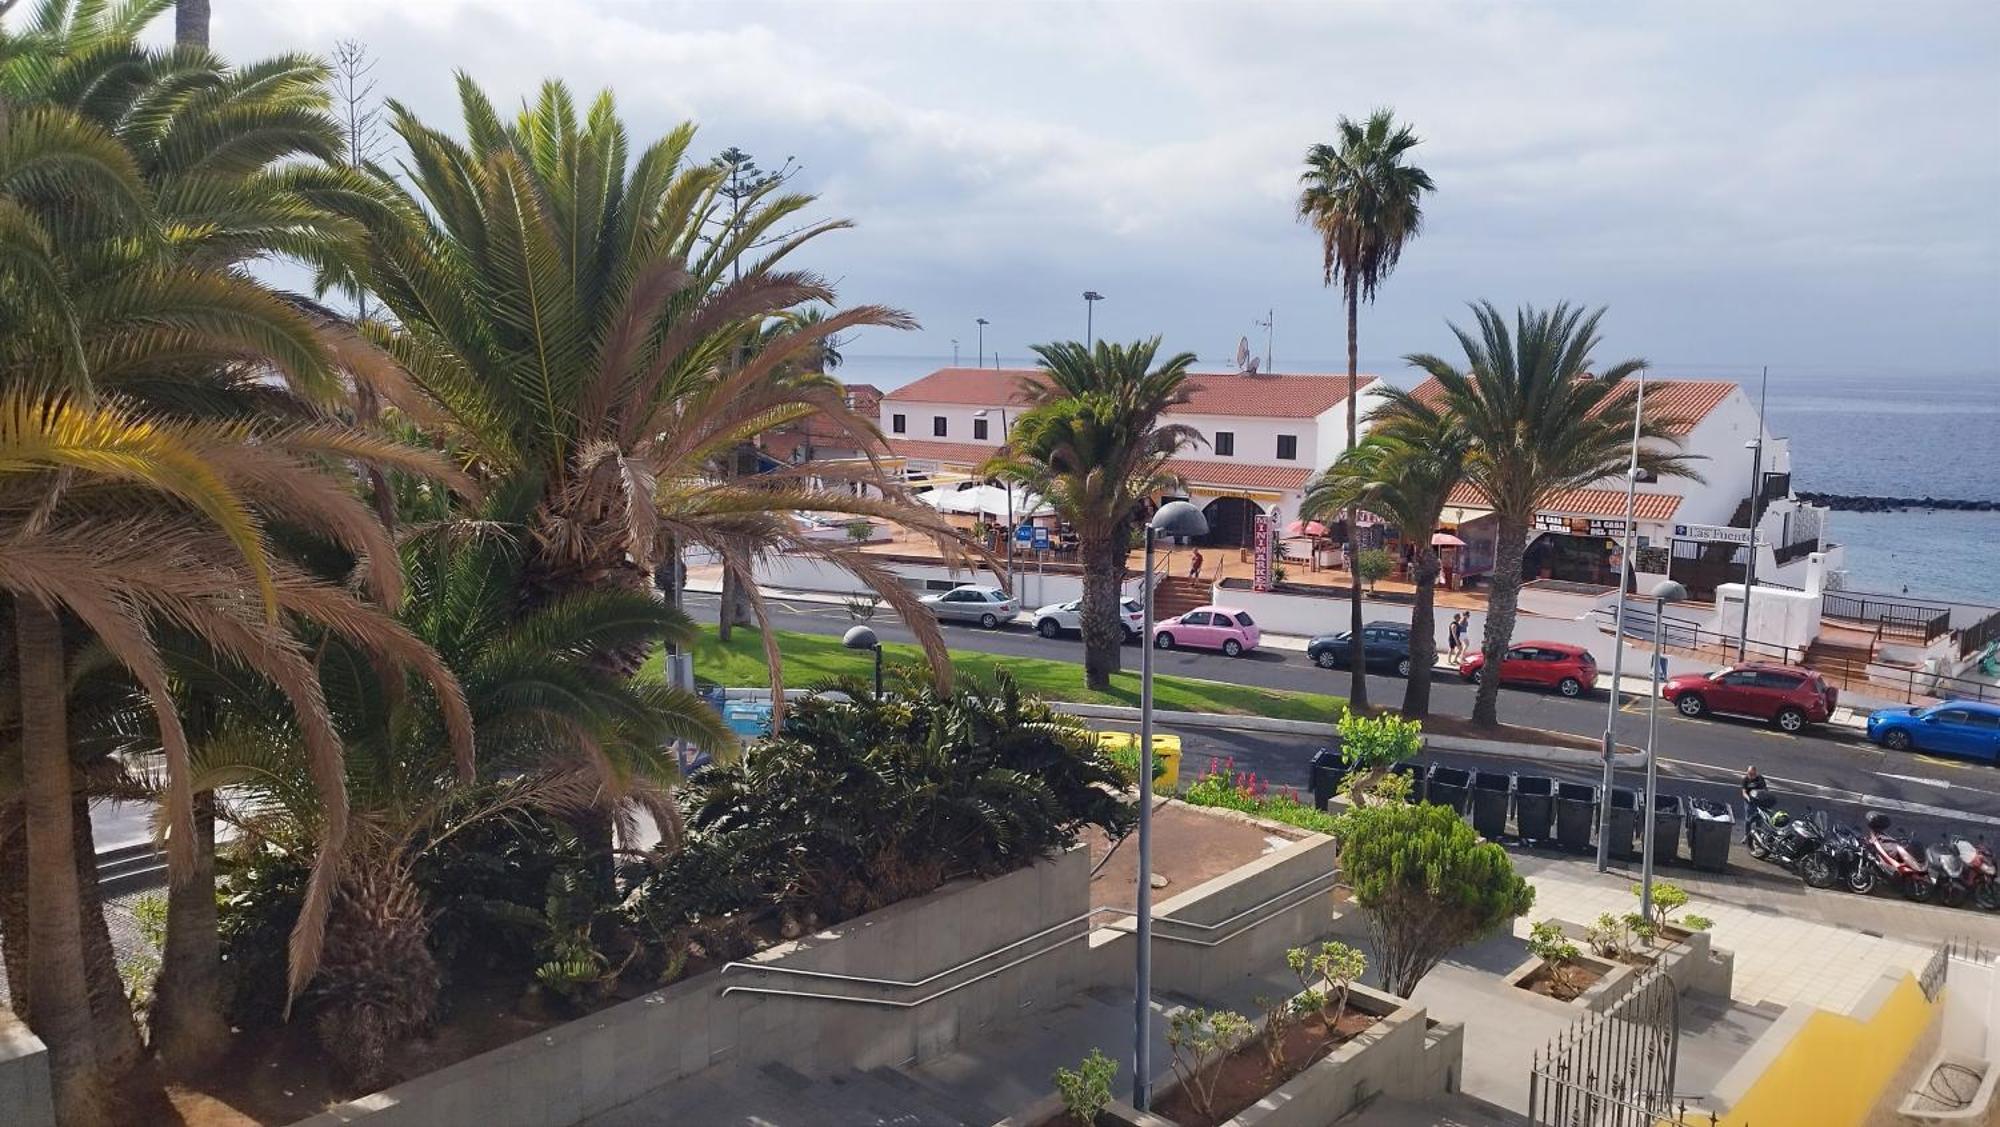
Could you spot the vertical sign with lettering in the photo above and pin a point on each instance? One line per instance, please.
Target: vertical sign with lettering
(1260, 576)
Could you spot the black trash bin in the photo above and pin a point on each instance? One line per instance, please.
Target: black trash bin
(1535, 807)
(1666, 828)
(1415, 773)
(1711, 829)
(1576, 815)
(1328, 769)
(1624, 822)
(1450, 786)
(1489, 803)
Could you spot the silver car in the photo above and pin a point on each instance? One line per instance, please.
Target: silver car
(988, 606)
(1057, 619)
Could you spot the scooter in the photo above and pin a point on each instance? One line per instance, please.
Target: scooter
(1960, 869)
(1886, 857)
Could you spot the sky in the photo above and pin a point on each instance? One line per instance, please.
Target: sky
(1814, 186)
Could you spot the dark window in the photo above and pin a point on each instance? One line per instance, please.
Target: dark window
(1245, 620)
(1195, 618)
(938, 426)
(1521, 654)
(1288, 448)
(1742, 677)
(896, 424)
(1785, 681)
(1983, 720)
(979, 430)
(1225, 444)
(1954, 716)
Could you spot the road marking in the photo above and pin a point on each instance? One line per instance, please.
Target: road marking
(1957, 764)
(1856, 797)
(1920, 780)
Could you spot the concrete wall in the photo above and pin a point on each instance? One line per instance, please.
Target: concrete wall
(25, 1096)
(1248, 945)
(573, 1071)
(1292, 614)
(1036, 590)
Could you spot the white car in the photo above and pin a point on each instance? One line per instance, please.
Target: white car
(1060, 618)
(988, 606)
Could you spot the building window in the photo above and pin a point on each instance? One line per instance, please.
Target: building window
(938, 426)
(979, 430)
(896, 424)
(1288, 448)
(1225, 444)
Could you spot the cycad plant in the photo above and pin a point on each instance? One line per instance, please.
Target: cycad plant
(1541, 418)
(1096, 445)
(1404, 471)
(574, 313)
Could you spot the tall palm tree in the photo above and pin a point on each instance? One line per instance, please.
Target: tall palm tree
(1095, 444)
(1405, 471)
(1540, 422)
(1366, 203)
(572, 315)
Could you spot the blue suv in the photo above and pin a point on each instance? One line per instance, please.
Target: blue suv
(1956, 727)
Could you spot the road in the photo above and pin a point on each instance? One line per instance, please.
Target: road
(1832, 768)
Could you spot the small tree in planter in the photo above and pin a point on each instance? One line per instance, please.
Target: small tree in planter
(1370, 745)
(1428, 883)
(1373, 566)
(1087, 1090)
(1547, 942)
(1611, 936)
(1669, 898)
(859, 529)
(1201, 1040)
(1335, 964)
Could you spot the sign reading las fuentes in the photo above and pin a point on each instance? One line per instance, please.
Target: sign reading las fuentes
(1712, 533)
(1260, 575)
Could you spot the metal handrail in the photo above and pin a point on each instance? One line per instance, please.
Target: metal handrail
(919, 983)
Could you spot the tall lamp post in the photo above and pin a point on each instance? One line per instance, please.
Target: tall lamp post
(1090, 300)
(1632, 475)
(954, 352)
(860, 637)
(1667, 592)
(981, 354)
(1175, 518)
(1756, 448)
(980, 414)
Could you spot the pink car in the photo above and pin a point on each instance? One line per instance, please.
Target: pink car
(1209, 628)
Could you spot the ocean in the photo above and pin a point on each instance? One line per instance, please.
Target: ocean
(1895, 435)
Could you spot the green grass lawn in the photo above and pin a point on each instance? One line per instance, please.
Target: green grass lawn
(810, 658)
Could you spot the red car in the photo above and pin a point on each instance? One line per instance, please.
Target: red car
(1778, 694)
(1569, 670)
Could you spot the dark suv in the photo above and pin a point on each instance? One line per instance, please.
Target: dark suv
(1783, 695)
(1384, 645)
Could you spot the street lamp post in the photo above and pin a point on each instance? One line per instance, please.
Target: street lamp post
(1618, 636)
(1756, 448)
(859, 637)
(1667, 592)
(981, 354)
(1175, 518)
(1090, 300)
(954, 352)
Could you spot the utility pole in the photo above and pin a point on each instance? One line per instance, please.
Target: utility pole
(1270, 319)
(954, 352)
(1756, 446)
(1090, 300)
(981, 354)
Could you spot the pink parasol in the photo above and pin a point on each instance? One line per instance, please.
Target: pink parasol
(1445, 540)
(1305, 528)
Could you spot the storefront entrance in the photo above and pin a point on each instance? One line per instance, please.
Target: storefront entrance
(1576, 559)
(1230, 521)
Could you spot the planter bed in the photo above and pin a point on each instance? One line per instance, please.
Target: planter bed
(1247, 1076)
(1604, 982)
(1049, 1112)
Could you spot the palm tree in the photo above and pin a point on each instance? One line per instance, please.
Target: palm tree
(1405, 471)
(1366, 204)
(1095, 445)
(1539, 422)
(554, 729)
(572, 316)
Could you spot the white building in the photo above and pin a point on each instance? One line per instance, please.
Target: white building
(1264, 436)
(1697, 532)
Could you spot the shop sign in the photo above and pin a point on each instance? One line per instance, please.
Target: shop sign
(1578, 526)
(1260, 575)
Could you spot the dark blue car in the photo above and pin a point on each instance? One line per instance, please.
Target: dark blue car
(1956, 727)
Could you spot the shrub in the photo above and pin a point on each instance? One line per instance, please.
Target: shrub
(260, 891)
(1669, 898)
(1610, 937)
(1547, 942)
(1201, 1040)
(1336, 965)
(1087, 1090)
(1428, 883)
(1373, 566)
(1370, 745)
(860, 529)
(1221, 785)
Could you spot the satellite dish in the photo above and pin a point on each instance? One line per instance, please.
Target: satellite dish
(1243, 361)
(1251, 370)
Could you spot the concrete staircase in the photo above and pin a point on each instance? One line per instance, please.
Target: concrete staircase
(1177, 594)
(1839, 654)
(129, 868)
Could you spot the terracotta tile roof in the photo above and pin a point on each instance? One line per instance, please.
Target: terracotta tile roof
(1234, 475)
(1274, 396)
(1582, 503)
(1685, 402)
(1194, 471)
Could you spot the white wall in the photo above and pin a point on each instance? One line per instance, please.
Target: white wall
(1971, 1008)
(1256, 440)
(958, 421)
(1777, 616)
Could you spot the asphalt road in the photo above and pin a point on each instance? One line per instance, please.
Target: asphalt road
(1834, 768)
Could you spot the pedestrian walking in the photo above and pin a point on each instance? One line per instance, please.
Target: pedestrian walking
(1194, 565)
(1454, 639)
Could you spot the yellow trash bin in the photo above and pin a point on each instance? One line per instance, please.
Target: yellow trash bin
(1166, 756)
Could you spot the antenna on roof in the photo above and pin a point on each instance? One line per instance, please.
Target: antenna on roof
(1270, 320)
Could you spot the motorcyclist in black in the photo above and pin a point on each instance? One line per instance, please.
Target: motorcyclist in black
(1756, 794)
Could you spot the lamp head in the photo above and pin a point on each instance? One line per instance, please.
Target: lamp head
(1179, 518)
(1669, 591)
(860, 638)
(1092, 295)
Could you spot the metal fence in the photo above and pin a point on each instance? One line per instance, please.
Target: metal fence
(1890, 619)
(1616, 1068)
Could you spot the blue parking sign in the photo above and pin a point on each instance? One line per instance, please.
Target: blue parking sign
(1041, 539)
(1024, 535)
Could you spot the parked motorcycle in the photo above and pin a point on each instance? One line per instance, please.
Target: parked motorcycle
(1961, 870)
(1781, 839)
(1839, 854)
(1887, 857)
